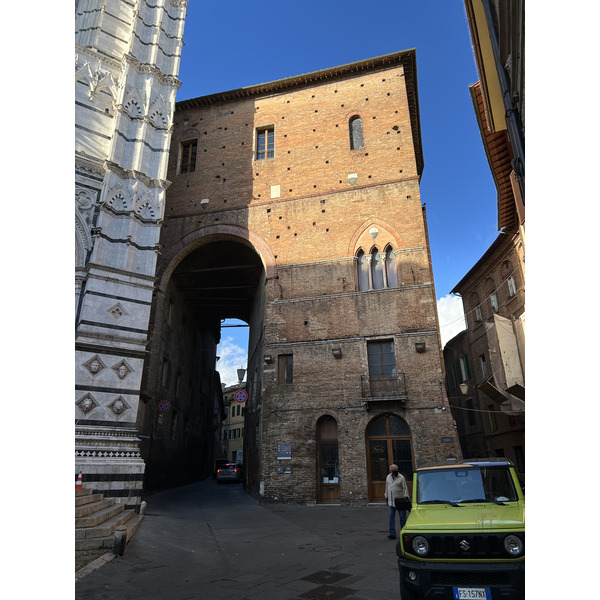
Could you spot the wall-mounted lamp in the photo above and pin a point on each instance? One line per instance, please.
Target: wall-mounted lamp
(420, 347)
(268, 358)
(204, 202)
(337, 352)
(464, 388)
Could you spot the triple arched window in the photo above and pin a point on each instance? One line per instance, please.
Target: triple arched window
(377, 270)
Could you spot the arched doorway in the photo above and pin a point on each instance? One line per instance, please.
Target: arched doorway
(388, 442)
(328, 470)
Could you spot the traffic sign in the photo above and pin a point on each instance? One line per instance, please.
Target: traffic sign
(241, 396)
(164, 406)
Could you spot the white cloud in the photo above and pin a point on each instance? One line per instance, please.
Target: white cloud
(451, 315)
(232, 357)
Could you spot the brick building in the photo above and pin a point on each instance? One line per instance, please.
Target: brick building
(295, 206)
(489, 357)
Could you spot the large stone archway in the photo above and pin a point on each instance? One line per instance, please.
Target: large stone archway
(212, 274)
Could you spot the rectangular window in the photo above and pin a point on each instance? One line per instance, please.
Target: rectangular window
(478, 318)
(470, 413)
(520, 458)
(512, 288)
(382, 359)
(484, 371)
(285, 369)
(494, 301)
(188, 156)
(463, 368)
(265, 143)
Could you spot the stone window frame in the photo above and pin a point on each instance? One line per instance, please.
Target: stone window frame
(357, 136)
(376, 270)
(188, 153)
(265, 140)
(285, 369)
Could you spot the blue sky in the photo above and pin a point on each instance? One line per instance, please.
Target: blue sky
(235, 44)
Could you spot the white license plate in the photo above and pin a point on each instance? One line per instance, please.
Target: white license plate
(472, 594)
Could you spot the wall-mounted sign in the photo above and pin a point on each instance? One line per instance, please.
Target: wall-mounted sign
(241, 396)
(284, 451)
(164, 406)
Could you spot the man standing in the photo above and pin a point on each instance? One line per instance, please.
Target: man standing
(395, 487)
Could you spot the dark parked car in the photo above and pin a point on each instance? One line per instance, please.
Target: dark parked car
(229, 472)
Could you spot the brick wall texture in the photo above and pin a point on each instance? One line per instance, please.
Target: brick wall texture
(308, 220)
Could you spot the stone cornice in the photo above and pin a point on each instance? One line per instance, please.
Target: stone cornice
(92, 53)
(90, 166)
(168, 80)
(149, 182)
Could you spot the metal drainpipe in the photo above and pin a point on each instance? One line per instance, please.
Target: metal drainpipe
(511, 113)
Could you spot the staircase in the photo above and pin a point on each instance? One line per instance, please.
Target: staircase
(102, 523)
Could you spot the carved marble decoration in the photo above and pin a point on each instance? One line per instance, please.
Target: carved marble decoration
(86, 404)
(122, 369)
(119, 199)
(117, 312)
(96, 78)
(94, 365)
(147, 207)
(118, 406)
(158, 114)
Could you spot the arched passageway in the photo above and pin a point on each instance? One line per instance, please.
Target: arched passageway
(215, 278)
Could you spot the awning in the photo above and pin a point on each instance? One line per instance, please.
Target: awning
(517, 390)
(489, 389)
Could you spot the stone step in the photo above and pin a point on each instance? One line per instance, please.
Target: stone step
(94, 543)
(107, 528)
(99, 516)
(133, 524)
(87, 499)
(83, 492)
(130, 526)
(92, 507)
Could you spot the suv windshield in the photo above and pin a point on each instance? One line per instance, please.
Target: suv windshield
(471, 484)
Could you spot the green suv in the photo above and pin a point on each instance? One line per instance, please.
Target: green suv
(465, 536)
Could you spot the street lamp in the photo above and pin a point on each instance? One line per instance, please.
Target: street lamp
(464, 388)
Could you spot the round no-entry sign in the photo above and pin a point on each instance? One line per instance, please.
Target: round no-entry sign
(241, 396)
(164, 405)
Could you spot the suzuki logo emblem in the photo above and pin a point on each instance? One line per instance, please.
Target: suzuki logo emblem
(464, 545)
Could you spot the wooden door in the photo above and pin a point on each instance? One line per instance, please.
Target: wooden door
(388, 442)
(328, 472)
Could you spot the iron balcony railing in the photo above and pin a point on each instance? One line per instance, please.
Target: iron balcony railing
(384, 388)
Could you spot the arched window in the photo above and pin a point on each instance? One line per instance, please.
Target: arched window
(363, 272)
(390, 266)
(377, 269)
(356, 133)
